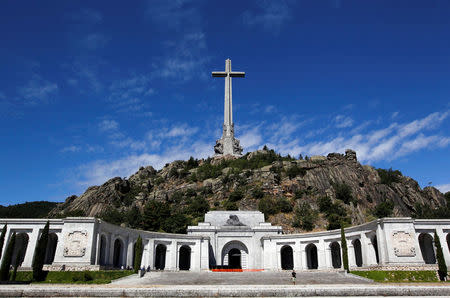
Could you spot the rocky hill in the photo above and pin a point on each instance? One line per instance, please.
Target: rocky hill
(314, 193)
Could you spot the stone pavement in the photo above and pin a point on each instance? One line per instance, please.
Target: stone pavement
(241, 278)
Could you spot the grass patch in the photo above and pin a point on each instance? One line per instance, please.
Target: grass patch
(76, 277)
(399, 276)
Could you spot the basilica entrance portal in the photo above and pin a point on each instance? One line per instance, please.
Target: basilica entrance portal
(235, 255)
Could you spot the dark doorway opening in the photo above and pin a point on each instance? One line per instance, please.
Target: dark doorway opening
(358, 252)
(20, 247)
(102, 250)
(234, 259)
(117, 257)
(185, 258)
(426, 248)
(375, 248)
(51, 248)
(336, 255)
(311, 256)
(160, 257)
(287, 258)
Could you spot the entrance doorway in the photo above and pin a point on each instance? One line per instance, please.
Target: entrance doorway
(311, 256)
(160, 257)
(185, 258)
(287, 258)
(234, 259)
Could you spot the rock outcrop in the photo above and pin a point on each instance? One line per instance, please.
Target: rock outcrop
(255, 175)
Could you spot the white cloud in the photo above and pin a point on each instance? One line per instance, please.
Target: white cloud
(71, 148)
(271, 15)
(394, 115)
(343, 121)
(179, 131)
(37, 90)
(443, 187)
(108, 125)
(127, 95)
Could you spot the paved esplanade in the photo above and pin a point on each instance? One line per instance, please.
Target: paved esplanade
(228, 144)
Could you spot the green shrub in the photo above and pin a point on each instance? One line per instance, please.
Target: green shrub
(344, 250)
(138, 249)
(257, 193)
(389, 176)
(284, 205)
(268, 206)
(236, 195)
(39, 254)
(343, 192)
(295, 171)
(384, 209)
(440, 258)
(113, 216)
(198, 206)
(304, 217)
(230, 205)
(7, 258)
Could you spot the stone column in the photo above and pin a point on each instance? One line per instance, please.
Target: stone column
(364, 249)
(321, 259)
(33, 238)
(297, 256)
(381, 242)
(304, 257)
(443, 240)
(130, 252)
(171, 256)
(351, 254)
(203, 249)
(329, 263)
(97, 250)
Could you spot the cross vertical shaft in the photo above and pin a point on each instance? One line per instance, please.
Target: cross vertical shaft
(228, 145)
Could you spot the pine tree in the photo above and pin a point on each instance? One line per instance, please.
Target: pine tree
(138, 254)
(442, 267)
(6, 263)
(39, 254)
(2, 239)
(344, 250)
(16, 264)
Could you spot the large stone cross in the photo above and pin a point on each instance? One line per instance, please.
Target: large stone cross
(228, 144)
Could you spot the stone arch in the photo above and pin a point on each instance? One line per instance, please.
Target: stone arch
(358, 252)
(20, 246)
(51, 248)
(103, 245)
(287, 257)
(118, 253)
(335, 249)
(426, 248)
(184, 262)
(375, 248)
(238, 253)
(311, 256)
(160, 257)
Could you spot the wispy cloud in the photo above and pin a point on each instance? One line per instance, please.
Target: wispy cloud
(271, 15)
(342, 121)
(37, 90)
(87, 15)
(108, 125)
(443, 187)
(127, 95)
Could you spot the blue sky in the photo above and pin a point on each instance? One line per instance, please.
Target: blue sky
(93, 90)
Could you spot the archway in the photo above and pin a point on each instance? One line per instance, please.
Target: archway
(234, 255)
(287, 258)
(20, 246)
(51, 248)
(185, 258)
(375, 248)
(311, 256)
(102, 260)
(335, 255)
(234, 259)
(118, 254)
(358, 252)
(426, 248)
(160, 257)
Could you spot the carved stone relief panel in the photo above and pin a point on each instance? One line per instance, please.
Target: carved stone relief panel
(403, 243)
(76, 243)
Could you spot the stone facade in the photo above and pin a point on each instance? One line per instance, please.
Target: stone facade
(240, 239)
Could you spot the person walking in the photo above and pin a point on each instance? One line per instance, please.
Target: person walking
(294, 276)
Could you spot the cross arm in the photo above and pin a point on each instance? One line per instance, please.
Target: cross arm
(238, 74)
(219, 74)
